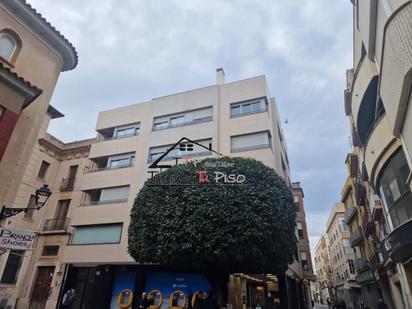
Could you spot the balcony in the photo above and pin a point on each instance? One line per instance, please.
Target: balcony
(350, 214)
(365, 277)
(171, 124)
(54, 225)
(399, 243)
(67, 184)
(356, 238)
(104, 202)
(107, 168)
(361, 264)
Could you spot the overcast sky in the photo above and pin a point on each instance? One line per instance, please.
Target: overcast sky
(134, 50)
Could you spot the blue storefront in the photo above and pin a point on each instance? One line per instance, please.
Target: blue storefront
(112, 287)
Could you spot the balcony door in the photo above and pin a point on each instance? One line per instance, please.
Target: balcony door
(62, 210)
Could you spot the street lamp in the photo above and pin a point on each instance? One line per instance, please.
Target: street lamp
(42, 195)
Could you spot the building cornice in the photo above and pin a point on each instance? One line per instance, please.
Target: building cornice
(29, 91)
(33, 20)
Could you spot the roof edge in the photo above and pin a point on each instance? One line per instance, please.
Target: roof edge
(34, 21)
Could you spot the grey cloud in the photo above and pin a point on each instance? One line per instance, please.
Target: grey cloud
(131, 51)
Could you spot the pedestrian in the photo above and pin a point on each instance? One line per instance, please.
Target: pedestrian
(342, 304)
(382, 304)
(329, 303)
(143, 302)
(199, 300)
(69, 298)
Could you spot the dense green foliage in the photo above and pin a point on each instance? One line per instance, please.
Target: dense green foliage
(248, 227)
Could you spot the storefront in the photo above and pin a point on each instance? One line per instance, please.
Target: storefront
(110, 286)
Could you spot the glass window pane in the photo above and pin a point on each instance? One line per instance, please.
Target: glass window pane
(12, 267)
(7, 46)
(97, 234)
(256, 106)
(174, 121)
(235, 110)
(246, 108)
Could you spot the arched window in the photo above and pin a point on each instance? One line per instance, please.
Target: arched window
(7, 46)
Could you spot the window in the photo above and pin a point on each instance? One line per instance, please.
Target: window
(394, 189)
(351, 267)
(342, 225)
(180, 151)
(50, 250)
(31, 206)
(43, 169)
(121, 161)
(300, 230)
(251, 141)
(176, 121)
(303, 260)
(114, 194)
(296, 201)
(97, 234)
(125, 131)
(7, 46)
(248, 107)
(183, 118)
(11, 270)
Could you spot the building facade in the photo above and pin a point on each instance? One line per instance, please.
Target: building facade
(323, 269)
(377, 102)
(303, 242)
(82, 231)
(342, 258)
(32, 55)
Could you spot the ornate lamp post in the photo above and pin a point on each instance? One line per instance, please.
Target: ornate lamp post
(42, 195)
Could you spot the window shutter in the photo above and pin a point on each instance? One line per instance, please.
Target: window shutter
(354, 166)
(348, 102)
(356, 141)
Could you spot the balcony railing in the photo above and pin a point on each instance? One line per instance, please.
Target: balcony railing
(361, 264)
(106, 168)
(115, 201)
(399, 243)
(356, 238)
(67, 184)
(350, 214)
(56, 225)
(365, 277)
(181, 124)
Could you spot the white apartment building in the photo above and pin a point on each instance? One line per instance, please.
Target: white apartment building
(83, 229)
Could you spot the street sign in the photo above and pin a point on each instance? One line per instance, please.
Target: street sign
(16, 239)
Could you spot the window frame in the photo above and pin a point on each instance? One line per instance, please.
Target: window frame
(97, 225)
(393, 205)
(251, 103)
(19, 253)
(163, 122)
(255, 147)
(50, 255)
(134, 126)
(10, 59)
(44, 174)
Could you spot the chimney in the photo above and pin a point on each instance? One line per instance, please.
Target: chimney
(220, 76)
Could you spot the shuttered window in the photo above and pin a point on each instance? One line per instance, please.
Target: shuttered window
(251, 141)
(114, 194)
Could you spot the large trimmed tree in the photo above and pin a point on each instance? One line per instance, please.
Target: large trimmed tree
(215, 228)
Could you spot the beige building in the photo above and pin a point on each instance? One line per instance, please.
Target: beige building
(323, 270)
(32, 55)
(342, 258)
(82, 240)
(377, 101)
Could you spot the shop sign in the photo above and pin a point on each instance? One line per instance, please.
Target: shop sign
(15, 239)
